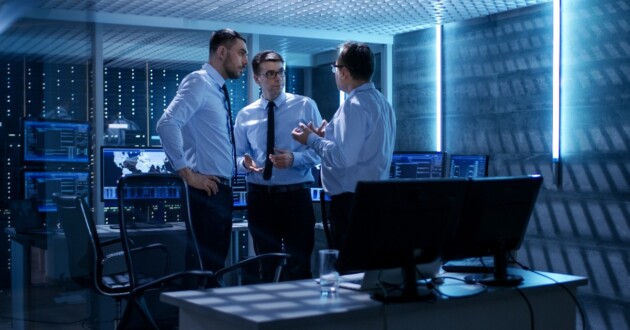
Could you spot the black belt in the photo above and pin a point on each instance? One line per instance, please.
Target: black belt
(278, 189)
(224, 181)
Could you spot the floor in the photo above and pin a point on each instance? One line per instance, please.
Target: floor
(52, 307)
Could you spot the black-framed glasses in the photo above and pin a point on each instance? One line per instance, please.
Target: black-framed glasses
(273, 74)
(333, 67)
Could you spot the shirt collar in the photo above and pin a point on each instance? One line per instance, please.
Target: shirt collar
(214, 74)
(277, 101)
(362, 87)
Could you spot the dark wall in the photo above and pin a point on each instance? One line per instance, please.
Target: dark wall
(588, 225)
(414, 90)
(497, 89)
(325, 92)
(497, 100)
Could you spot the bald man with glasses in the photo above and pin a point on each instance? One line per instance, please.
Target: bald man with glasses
(358, 143)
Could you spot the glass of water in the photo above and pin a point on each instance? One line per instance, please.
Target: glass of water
(328, 275)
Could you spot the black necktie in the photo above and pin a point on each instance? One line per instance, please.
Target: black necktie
(231, 128)
(270, 140)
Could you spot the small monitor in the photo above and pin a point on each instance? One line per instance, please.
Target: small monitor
(400, 224)
(417, 165)
(40, 186)
(239, 192)
(493, 222)
(468, 166)
(56, 141)
(120, 161)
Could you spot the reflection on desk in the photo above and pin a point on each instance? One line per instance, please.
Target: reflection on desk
(297, 305)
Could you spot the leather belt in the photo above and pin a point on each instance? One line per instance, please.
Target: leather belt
(279, 188)
(224, 181)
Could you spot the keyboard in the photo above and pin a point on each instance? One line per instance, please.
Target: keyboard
(144, 225)
(470, 265)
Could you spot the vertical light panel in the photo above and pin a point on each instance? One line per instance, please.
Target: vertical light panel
(555, 144)
(438, 88)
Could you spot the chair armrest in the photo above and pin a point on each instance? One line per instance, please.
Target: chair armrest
(202, 277)
(281, 260)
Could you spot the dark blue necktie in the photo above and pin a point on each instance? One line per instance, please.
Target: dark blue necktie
(231, 128)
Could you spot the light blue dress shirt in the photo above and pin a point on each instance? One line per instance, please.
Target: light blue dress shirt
(359, 141)
(250, 133)
(194, 129)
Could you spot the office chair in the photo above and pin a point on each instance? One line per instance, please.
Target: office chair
(142, 198)
(90, 267)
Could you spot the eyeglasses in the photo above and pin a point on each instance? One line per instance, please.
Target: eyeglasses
(273, 74)
(333, 67)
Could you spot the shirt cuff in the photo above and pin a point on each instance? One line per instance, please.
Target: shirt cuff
(310, 140)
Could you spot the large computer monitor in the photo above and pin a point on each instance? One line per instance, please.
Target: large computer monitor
(417, 165)
(56, 141)
(468, 166)
(39, 186)
(399, 224)
(117, 162)
(120, 161)
(493, 222)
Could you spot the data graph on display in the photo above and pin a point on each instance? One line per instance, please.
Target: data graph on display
(56, 141)
(40, 185)
(417, 165)
(468, 166)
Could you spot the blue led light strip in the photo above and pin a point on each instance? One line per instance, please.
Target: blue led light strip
(555, 149)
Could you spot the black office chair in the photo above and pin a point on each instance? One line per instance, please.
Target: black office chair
(90, 266)
(177, 266)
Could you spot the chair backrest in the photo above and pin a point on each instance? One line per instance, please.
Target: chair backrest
(153, 207)
(84, 247)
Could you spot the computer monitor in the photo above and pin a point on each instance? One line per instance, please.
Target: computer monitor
(239, 192)
(40, 185)
(493, 222)
(400, 224)
(468, 166)
(56, 141)
(417, 165)
(117, 162)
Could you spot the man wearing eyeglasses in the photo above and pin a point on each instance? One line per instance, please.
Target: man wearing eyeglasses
(278, 169)
(358, 143)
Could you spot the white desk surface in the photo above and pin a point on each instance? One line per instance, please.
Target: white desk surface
(297, 305)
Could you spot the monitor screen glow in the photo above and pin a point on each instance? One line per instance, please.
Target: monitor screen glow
(417, 165)
(56, 141)
(40, 186)
(120, 161)
(468, 166)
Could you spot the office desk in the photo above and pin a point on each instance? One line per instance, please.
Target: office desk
(22, 243)
(297, 305)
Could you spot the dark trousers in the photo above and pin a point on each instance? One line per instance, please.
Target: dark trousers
(277, 218)
(212, 223)
(340, 211)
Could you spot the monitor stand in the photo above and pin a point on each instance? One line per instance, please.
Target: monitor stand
(500, 276)
(410, 290)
